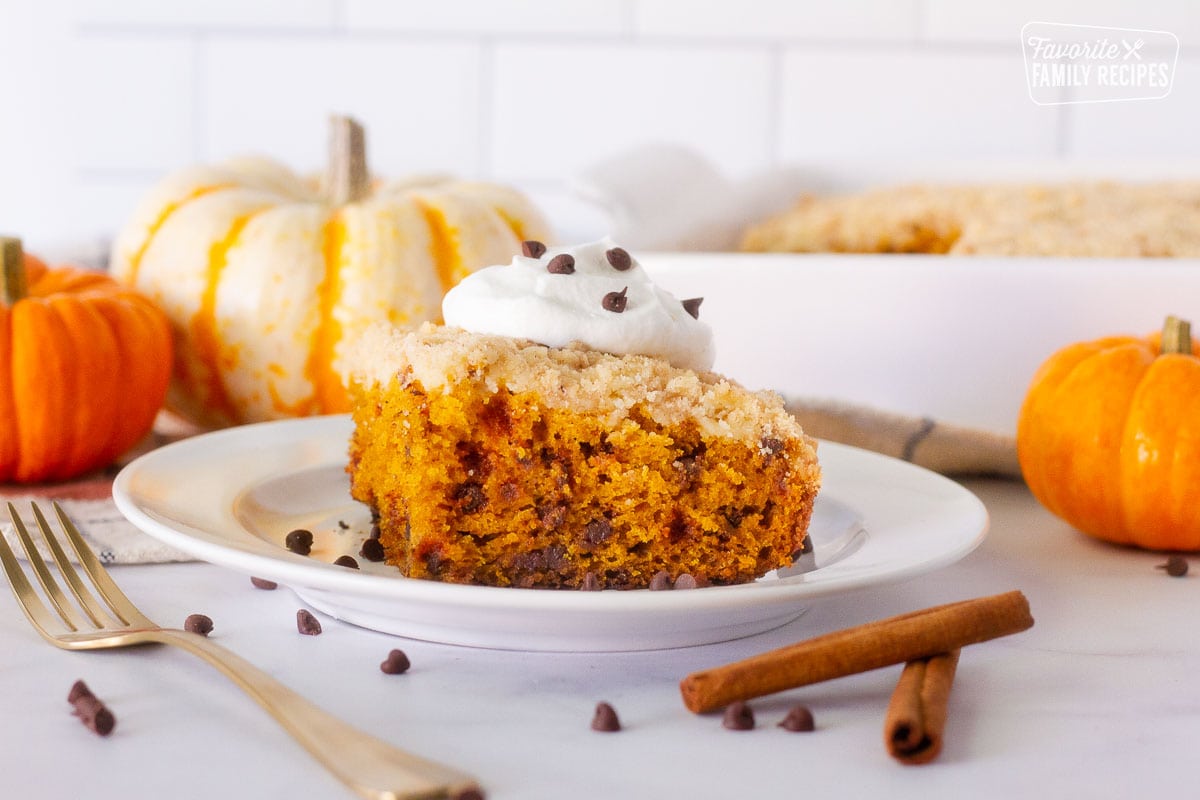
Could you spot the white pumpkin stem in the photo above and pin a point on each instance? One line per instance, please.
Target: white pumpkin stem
(1176, 336)
(348, 180)
(12, 276)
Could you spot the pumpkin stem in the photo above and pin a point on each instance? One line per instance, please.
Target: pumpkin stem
(347, 180)
(1176, 336)
(12, 272)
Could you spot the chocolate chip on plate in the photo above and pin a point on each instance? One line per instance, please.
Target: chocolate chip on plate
(799, 719)
(692, 306)
(346, 561)
(605, 719)
(306, 623)
(263, 583)
(395, 663)
(371, 550)
(198, 623)
(686, 581)
(299, 541)
(561, 264)
(660, 581)
(738, 717)
(533, 249)
(619, 258)
(615, 301)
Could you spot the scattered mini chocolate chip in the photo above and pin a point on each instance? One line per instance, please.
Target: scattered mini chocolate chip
(343, 524)
(561, 264)
(692, 306)
(660, 581)
(686, 581)
(1176, 566)
(371, 550)
(395, 663)
(346, 561)
(198, 623)
(306, 623)
(615, 301)
(263, 583)
(798, 719)
(738, 717)
(91, 712)
(605, 719)
(533, 249)
(590, 582)
(299, 541)
(619, 258)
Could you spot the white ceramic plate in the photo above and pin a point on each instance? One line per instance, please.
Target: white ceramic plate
(230, 497)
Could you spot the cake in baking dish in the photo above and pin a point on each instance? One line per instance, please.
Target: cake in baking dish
(1099, 219)
(574, 439)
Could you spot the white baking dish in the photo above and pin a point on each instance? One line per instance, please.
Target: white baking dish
(957, 339)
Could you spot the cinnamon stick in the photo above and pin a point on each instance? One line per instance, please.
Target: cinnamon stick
(916, 635)
(916, 715)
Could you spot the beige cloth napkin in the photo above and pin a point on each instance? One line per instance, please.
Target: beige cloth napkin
(926, 442)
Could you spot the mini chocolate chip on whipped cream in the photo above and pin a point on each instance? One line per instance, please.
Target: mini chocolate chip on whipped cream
(561, 264)
(299, 541)
(605, 719)
(198, 623)
(264, 584)
(738, 717)
(395, 663)
(306, 623)
(616, 301)
(619, 258)
(692, 306)
(533, 249)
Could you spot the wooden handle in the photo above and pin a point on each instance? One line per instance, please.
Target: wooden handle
(348, 181)
(1176, 336)
(12, 272)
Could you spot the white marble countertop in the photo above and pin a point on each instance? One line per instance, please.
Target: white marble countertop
(1097, 700)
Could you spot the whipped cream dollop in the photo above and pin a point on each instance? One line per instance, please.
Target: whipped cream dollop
(595, 294)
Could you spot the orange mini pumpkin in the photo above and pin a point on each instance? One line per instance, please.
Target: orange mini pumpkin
(1109, 438)
(84, 367)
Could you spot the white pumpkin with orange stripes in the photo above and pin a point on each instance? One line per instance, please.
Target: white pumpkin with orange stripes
(265, 275)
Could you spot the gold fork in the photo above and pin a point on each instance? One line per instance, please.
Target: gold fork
(369, 766)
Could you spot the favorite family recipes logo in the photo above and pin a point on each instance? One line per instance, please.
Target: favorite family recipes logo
(1090, 64)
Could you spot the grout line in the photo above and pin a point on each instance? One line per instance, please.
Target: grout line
(550, 37)
(774, 106)
(199, 98)
(485, 107)
(338, 17)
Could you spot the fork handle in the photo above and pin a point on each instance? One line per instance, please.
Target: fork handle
(371, 767)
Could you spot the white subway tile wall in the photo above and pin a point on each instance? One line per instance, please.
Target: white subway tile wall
(105, 97)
